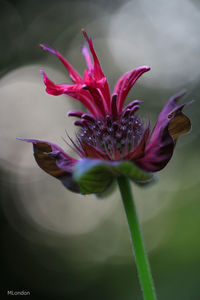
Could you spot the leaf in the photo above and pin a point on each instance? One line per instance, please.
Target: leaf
(95, 176)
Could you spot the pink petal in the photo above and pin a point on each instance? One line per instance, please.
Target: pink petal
(98, 73)
(125, 83)
(87, 57)
(139, 151)
(170, 125)
(74, 75)
(97, 99)
(74, 91)
(169, 112)
(93, 152)
(157, 153)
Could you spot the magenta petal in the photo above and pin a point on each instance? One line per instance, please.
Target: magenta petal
(96, 95)
(158, 152)
(86, 54)
(169, 107)
(51, 88)
(97, 72)
(75, 91)
(53, 160)
(125, 83)
(170, 125)
(169, 113)
(139, 151)
(74, 75)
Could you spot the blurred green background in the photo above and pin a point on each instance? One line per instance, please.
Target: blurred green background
(58, 245)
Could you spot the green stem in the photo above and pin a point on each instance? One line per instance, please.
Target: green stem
(137, 240)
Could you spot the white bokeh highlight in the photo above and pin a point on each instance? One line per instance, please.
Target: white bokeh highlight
(162, 34)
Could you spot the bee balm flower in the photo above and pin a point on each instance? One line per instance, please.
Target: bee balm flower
(112, 140)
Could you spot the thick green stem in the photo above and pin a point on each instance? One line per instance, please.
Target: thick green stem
(137, 240)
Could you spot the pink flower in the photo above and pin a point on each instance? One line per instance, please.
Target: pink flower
(112, 140)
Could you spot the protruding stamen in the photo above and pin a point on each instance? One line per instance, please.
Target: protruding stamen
(133, 103)
(134, 109)
(115, 139)
(88, 117)
(114, 105)
(78, 123)
(126, 113)
(75, 113)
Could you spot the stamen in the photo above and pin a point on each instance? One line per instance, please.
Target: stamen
(133, 103)
(114, 105)
(78, 123)
(88, 117)
(113, 138)
(134, 109)
(75, 113)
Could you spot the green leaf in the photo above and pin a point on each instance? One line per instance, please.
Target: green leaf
(95, 176)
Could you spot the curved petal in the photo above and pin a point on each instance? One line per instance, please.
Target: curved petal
(139, 151)
(96, 71)
(87, 57)
(93, 152)
(74, 75)
(125, 83)
(98, 99)
(172, 114)
(54, 161)
(158, 152)
(169, 110)
(75, 91)
(170, 125)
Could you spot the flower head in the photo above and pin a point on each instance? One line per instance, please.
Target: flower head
(112, 140)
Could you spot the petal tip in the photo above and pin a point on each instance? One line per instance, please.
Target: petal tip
(175, 98)
(85, 35)
(27, 140)
(42, 72)
(45, 47)
(146, 68)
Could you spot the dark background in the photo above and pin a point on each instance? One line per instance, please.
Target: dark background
(58, 245)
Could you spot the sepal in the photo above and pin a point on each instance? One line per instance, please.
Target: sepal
(95, 176)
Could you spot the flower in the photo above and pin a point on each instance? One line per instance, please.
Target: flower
(111, 140)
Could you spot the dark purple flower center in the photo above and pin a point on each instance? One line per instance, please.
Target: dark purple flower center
(113, 137)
